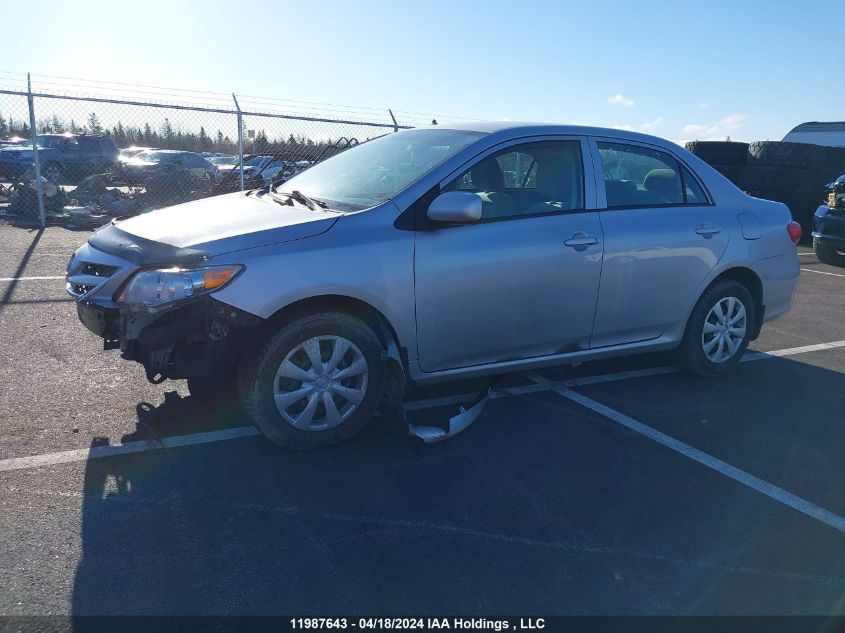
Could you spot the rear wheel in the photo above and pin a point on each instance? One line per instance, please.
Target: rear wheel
(719, 329)
(315, 382)
(827, 254)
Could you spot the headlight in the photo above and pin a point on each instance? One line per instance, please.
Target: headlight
(166, 285)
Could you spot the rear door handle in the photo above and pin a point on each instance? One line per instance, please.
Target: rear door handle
(707, 230)
(582, 240)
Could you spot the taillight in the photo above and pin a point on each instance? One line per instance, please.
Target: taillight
(794, 230)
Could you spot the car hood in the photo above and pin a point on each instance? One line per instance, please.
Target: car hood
(225, 223)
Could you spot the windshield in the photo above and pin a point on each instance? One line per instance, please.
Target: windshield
(223, 160)
(157, 157)
(255, 161)
(48, 141)
(373, 172)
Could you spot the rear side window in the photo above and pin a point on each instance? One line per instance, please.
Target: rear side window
(693, 191)
(89, 144)
(636, 176)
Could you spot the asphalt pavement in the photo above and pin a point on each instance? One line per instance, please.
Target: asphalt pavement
(615, 487)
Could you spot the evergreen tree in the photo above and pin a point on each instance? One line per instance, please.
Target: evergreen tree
(204, 141)
(167, 134)
(94, 126)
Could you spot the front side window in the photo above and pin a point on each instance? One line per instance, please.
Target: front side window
(636, 176)
(528, 179)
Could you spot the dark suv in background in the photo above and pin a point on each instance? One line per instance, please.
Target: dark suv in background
(61, 156)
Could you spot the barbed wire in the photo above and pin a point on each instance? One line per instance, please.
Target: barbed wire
(172, 96)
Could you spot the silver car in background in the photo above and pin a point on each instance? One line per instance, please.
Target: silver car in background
(438, 254)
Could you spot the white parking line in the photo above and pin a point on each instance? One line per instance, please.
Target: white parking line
(755, 483)
(63, 457)
(98, 452)
(31, 278)
(821, 272)
(792, 351)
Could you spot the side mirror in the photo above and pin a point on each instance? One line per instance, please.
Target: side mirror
(456, 207)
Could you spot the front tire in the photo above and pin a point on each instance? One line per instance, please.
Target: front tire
(826, 254)
(719, 330)
(315, 382)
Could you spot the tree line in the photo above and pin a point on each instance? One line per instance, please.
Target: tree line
(166, 136)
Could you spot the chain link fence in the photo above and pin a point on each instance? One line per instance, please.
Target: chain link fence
(105, 153)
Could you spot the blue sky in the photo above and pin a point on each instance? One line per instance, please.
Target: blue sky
(750, 70)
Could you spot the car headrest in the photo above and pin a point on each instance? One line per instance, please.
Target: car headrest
(662, 181)
(487, 176)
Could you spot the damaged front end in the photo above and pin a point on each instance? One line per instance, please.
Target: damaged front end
(160, 316)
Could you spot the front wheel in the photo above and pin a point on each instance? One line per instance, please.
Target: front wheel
(315, 382)
(827, 254)
(719, 330)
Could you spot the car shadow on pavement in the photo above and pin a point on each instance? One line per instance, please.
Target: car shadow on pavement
(541, 507)
(10, 289)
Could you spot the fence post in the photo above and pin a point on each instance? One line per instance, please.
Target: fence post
(39, 192)
(240, 139)
(395, 124)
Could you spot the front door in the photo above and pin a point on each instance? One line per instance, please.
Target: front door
(523, 281)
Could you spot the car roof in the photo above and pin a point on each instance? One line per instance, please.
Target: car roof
(525, 128)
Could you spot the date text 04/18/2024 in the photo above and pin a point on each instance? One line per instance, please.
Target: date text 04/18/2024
(406, 624)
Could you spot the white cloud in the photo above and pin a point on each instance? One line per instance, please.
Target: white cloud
(645, 127)
(716, 131)
(619, 100)
(648, 126)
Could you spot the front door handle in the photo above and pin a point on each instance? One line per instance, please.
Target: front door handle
(580, 241)
(707, 230)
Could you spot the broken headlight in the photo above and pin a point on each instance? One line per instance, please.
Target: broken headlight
(152, 288)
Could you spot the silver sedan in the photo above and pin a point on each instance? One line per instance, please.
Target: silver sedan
(437, 254)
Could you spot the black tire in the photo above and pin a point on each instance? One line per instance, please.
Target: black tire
(785, 179)
(827, 254)
(727, 153)
(731, 172)
(780, 154)
(690, 354)
(258, 370)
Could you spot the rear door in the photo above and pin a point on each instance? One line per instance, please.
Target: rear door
(662, 237)
(523, 281)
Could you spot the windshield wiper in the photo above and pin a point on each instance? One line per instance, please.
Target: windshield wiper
(298, 196)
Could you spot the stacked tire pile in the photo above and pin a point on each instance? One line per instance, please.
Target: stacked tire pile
(792, 173)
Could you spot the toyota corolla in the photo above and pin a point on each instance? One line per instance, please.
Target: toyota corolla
(439, 254)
